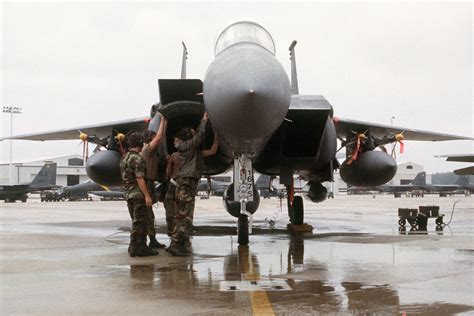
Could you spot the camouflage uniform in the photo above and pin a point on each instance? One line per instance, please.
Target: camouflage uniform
(132, 166)
(184, 213)
(188, 177)
(170, 206)
(151, 163)
(172, 171)
(150, 185)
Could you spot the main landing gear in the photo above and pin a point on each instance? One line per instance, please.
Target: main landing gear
(296, 212)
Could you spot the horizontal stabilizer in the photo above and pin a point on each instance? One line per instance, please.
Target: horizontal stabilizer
(464, 171)
(458, 158)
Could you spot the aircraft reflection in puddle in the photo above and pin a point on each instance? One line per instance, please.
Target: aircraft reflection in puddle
(245, 279)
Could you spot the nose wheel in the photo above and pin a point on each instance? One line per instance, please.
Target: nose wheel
(243, 189)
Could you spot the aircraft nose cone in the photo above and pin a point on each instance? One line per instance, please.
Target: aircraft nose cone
(247, 95)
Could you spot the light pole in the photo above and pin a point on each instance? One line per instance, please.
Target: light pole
(12, 110)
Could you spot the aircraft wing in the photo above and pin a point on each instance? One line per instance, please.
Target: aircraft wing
(99, 130)
(345, 127)
(461, 158)
(458, 158)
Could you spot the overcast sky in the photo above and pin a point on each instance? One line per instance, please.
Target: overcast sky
(72, 64)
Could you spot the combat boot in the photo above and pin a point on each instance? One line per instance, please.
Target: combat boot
(176, 250)
(154, 244)
(141, 250)
(187, 246)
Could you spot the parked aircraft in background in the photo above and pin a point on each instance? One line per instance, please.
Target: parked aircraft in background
(212, 187)
(44, 180)
(461, 158)
(419, 187)
(81, 191)
(263, 124)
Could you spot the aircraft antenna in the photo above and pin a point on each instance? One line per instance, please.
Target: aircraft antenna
(183, 63)
(294, 75)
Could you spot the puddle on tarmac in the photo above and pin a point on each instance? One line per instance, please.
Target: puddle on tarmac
(325, 277)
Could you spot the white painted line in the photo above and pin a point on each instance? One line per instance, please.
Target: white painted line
(252, 286)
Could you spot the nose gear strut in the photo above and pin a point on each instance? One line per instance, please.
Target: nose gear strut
(243, 190)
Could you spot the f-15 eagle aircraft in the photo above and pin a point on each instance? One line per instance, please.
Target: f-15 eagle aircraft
(264, 124)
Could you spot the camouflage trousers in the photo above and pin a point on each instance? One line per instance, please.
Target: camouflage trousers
(151, 216)
(183, 218)
(139, 214)
(169, 203)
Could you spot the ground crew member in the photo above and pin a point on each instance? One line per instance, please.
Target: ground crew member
(149, 153)
(133, 171)
(188, 177)
(172, 170)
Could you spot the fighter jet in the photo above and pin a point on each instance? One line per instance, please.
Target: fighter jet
(44, 180)
(419, 186)
(212, 187)
(462, 186)
(263, 124)
(81, 191)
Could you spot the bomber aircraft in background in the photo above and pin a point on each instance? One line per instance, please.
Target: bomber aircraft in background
(44, 180)
(263, 123)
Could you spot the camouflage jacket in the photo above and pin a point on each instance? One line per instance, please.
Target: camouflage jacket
(132, 166)
(192, 161)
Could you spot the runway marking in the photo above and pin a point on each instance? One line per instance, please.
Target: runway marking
(260, 303)
(254, 286)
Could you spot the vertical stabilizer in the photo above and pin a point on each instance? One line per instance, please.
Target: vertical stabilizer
(183, 62)
(294, 74)
(462, 180)
(420, 179)
(46, 176)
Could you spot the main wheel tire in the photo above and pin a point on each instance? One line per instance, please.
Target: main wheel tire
(422, 222)
(243, 230)
(402, 222)
(412, 222)
(439, 221)
(298, 211)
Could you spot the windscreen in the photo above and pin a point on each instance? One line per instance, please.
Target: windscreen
(244, 32)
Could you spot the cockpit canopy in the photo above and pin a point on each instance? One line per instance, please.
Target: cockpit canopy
(244, 32)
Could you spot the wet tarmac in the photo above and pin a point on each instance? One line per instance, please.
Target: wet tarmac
(71, 258)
